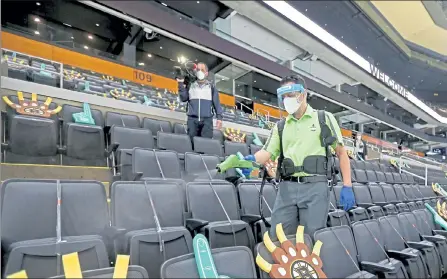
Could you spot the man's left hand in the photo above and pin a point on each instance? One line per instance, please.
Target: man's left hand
(347, 198)
(218, 124)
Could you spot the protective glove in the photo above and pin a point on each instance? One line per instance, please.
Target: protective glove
(347, 199)
(247, 171)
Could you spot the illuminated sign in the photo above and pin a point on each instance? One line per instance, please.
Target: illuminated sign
(388, 81)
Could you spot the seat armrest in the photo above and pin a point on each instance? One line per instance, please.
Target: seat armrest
(357, 210)
(112, 148)
(375, 267)
(434, 238)
(418, 245)
(400, 255)
(137, 176)
(195, 224)
(250, 218)
(440, 232)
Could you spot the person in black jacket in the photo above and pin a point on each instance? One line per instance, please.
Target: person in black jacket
(360, 146)
(203, 104)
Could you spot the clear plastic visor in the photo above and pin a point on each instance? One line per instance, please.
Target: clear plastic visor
(288, 91)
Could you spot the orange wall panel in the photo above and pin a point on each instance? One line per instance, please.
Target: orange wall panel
(227, 100)
(263, 108)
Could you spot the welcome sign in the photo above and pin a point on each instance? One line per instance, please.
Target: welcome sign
(388, 81)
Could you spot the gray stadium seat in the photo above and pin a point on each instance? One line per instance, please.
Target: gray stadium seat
(249, 200)
(179, 143)
(124, 166)
(29, 218)
(41, 147)
(156, 125)
(195, 166)
(133, 272)
(205, 207)
(133, 210)
(208, 146)
(396, 248)
(123, 120)
(218, 135)
(46, 79)
(389, 178)
(412, 235)
(128, 138)
(234, 147)
(337, 263)
(144, 163)
(380, 177)
(235, 262)
(180, 129)
(84, 144)
(266, 255)
(371, 248)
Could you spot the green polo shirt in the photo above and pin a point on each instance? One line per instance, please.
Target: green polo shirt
(301, 137)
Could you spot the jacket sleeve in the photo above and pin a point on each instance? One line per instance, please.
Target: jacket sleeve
(183, 92)
(216, 103)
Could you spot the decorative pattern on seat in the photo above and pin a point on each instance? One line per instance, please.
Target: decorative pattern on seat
(32, 107)
(234, 135)
(121, 93)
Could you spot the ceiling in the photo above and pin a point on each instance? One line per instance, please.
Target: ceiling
(349, 24)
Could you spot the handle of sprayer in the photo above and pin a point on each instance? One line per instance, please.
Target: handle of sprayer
(261, 196)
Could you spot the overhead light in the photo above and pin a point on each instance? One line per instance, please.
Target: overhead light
(66, 24)
(198, 2)
(141, 64)
(436, 94)
(164, 4)
(36, 19)
(254, 81)
(86, 47)
(97, 24)
(90, 37)
(181, 59)
(161, 47)
(36, 32)
(260, 89)
(385, 99)
(72, 38)
(149, 55)
(38, 3)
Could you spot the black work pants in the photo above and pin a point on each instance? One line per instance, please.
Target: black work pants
(202, 128)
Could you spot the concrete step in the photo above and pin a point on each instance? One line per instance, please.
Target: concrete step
(102, 174)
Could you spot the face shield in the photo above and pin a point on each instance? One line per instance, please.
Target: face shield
(290, 97)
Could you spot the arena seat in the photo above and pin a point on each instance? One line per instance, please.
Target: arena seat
(123, 120)
(371, 248)
(389, 178)
(145, 164)
(156, 125)
(396, 248)
(176, 142)
(249, 199)
(128, 138)
(234, 147)
(133, 272)
(218, 135)
(180, 129)
(195, 165)
(222, 227)
(29, 225)
(428, 249)
(84, 144)
(208, 146)
(124, 166)
(335, 240)
(380, 177)
(137, 207)
(254, 148)
(235, 262)
(359, 211)
(266, 255)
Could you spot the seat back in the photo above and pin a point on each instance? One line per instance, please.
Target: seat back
(360, 176)
(145, 161)
(400, 194)
(389, 178)
(249, 198)
(128, 138)
(180, 128)
(195, 165)
(397, 178)
(84, 209)
(156, 125)
(409, 192)
(132, 199)
(208, 146)
(218, 135)
(377, 195)
(68, 110)
(234, 147)
(380, 177)
(371, 175)
(123, 120)
(176, 142)
(235, 262)
(409, 223)
(389, 193)
(133, 272)
(369, 240)
(336, 241)
(423, 222)
(362, 194)
(392, 232)
(203, 203)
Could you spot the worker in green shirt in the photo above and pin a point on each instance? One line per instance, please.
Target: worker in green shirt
(298, 141)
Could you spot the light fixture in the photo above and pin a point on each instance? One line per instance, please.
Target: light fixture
(72, 38)
(260, 89)
(198, 2)
(97, 24)
(36, 32)
(86, 47)
(254, 81)
(66, 24)
(36, 19)
(141, 64)
(38, 3)
(182, 59)
(149, 55)
(90, 37)
(161, 47)
(164, 4)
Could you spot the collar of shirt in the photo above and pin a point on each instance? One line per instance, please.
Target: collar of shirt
(308, 113)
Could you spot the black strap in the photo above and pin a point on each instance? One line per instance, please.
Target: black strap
(281, 124)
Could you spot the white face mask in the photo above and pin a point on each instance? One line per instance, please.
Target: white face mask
(200, 75)
(291, 104)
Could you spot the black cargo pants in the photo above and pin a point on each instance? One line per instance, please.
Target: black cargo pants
(202, 128)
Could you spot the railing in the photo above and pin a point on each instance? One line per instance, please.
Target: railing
(413, 174)
(266, 114)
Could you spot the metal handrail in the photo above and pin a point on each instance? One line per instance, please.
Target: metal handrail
(267, 114)
(419, 162)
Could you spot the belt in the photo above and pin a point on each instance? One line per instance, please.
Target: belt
(307, 179)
